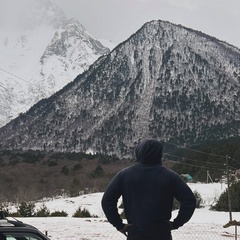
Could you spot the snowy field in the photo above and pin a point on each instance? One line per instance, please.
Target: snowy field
(204, 225)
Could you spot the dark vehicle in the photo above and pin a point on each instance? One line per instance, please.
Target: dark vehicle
(17, 230)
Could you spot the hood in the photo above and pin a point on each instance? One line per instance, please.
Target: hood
(149, 151)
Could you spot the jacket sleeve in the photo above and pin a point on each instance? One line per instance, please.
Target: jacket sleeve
(110, 200)
(187, 200)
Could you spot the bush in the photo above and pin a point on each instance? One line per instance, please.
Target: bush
(98, 172)
(14, 214)
(199, 201)
(52, 163)
(26, 209)
(77, 167)
(4, 209)
(42, 212)
(65, 170)
(82, 213)
(58, 214)
(222, 202)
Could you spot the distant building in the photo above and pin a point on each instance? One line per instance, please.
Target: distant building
(187, 177)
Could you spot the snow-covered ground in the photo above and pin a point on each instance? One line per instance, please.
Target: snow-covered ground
(204, 225)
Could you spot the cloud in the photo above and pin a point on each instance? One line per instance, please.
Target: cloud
(140, 1)
(11, 11)
(187, 4)
(117, 19)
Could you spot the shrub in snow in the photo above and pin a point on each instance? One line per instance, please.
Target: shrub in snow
(199, 201)
(4, 209)
(42, 212)
(26, 209)
(58, 214)
(222, 202)
(82, 213)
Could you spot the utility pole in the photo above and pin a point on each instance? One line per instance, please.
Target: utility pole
(228, 190)
(209, 177)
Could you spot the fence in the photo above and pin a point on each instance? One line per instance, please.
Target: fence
(100, 229)
(204, 232)
(192, 232)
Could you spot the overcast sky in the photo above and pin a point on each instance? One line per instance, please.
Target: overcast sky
(116, 20)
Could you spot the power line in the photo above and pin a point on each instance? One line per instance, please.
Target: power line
(193, 150)
(234, 159)
(192, 160)
(197, 166)
(14, 75)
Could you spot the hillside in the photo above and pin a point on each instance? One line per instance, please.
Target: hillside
(33, 175)
(27, 176)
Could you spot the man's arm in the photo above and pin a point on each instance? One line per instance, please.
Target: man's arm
(187, 200)
(110, 200)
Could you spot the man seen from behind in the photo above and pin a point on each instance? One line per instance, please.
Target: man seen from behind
(148, 190)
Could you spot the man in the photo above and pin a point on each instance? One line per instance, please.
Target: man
(148, 190)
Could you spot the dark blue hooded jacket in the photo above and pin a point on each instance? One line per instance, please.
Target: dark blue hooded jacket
(148, 190)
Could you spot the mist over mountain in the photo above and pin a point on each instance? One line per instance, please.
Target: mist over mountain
(166, 81)
(41, 51)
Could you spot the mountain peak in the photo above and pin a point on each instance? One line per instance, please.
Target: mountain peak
(166, 82)
(41, 51)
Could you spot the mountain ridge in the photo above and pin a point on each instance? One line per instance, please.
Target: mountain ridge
(163, 82)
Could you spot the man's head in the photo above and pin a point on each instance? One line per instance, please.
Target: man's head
(149, 151)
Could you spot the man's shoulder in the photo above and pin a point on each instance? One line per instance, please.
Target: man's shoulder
(170, 172)
(130, 168)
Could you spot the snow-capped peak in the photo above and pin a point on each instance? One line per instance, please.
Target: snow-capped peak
(41, 51)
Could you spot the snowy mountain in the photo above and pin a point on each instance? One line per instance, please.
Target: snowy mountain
(41, 51)
(166, 81)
